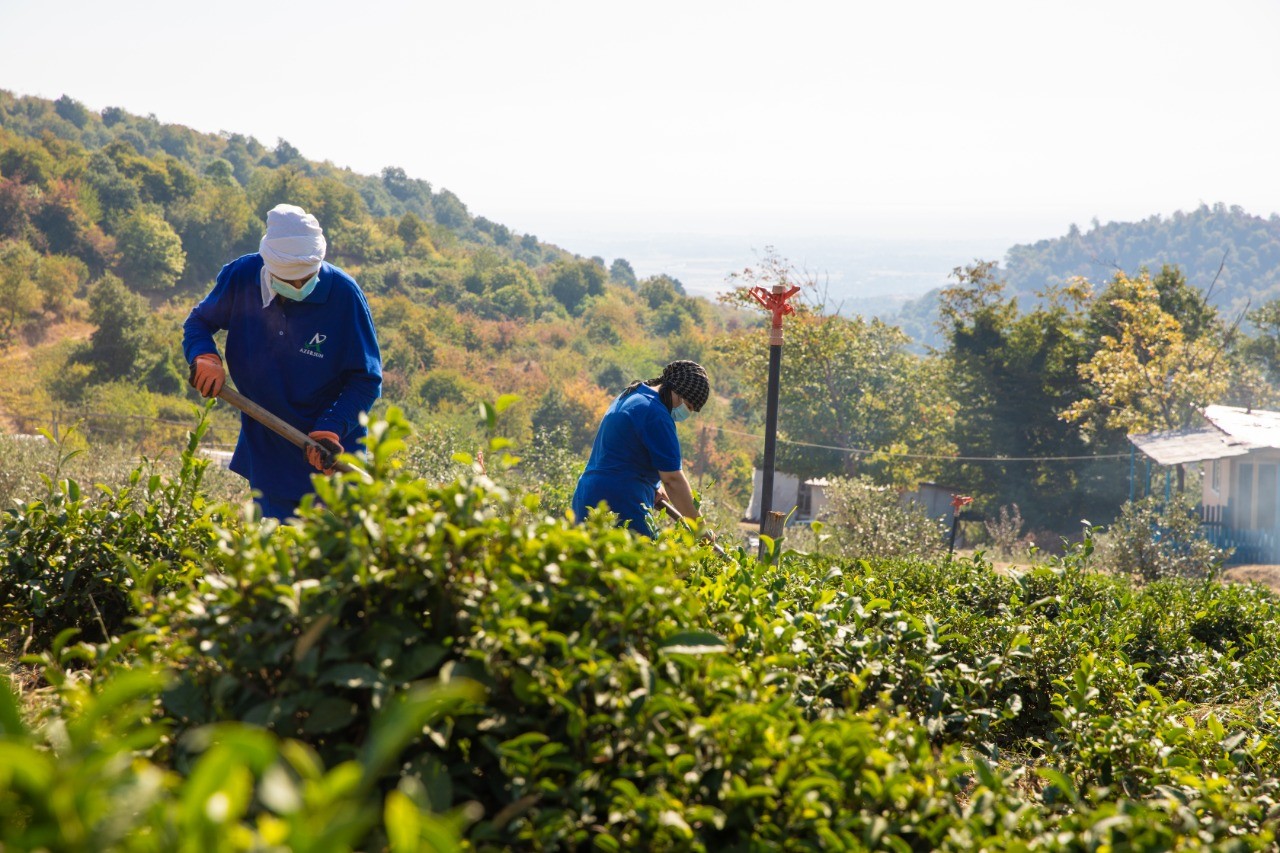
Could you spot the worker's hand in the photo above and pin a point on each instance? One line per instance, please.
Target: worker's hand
(328, 440)
(207, 375)
(661, 496)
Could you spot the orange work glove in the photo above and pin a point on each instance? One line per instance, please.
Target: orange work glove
(328, 440)
(207, 374)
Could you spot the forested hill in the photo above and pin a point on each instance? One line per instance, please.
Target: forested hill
(98, 172)
(1246, 248)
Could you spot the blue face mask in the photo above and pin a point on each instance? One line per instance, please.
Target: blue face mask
(297, 294)
(680, 413)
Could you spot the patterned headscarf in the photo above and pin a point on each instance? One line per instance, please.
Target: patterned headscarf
(688, 379)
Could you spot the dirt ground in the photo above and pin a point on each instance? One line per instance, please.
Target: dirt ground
(1266, 574)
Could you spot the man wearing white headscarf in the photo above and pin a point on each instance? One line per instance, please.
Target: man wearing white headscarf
(300, 343)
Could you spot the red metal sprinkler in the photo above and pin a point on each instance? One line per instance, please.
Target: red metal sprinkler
(958, 503)
(776, 302)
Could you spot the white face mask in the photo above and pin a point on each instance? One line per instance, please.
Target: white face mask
(680, 413)
(297, 294)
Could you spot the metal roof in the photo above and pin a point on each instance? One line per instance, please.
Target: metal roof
(1189, 445)
(1253, 427)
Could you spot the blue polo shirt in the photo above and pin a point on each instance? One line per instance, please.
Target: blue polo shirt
(636, 440)
(314, 363)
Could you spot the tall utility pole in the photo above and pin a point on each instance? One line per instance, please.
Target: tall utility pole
(776, 301)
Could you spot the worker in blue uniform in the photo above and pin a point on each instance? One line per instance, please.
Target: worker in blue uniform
(300, 343)
(636, 449)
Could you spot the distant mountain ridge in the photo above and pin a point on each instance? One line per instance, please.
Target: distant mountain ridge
(1231, 254)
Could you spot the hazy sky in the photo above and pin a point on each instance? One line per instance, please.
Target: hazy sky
(873, 119)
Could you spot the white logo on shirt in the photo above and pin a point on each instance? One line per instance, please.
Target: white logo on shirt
(313, 346)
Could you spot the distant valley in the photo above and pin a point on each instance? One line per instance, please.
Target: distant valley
(862, 276)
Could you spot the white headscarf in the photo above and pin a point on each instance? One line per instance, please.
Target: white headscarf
(294, 245)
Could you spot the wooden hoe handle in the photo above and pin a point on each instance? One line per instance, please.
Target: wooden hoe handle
(284, 429)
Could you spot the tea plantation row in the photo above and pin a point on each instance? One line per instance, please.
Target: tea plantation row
(437, 667)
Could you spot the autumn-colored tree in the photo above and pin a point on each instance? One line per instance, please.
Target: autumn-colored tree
(1148, 374)
(411, 229)
(58, 278)
(65, 228)
(574, 409)
(15, 203)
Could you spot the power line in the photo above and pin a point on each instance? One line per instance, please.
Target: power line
(862, 451)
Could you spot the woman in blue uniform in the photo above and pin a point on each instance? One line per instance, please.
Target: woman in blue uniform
(300, 343)
(636, 448)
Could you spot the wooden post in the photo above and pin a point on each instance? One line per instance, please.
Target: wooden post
(772, 526)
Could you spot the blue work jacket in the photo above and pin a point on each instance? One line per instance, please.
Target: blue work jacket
(314, 364)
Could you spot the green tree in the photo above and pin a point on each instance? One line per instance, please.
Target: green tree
(242, 153)
(288, 185)
(450, 211)
(852, 398)
(220, 172)
(1012, 375)
(1263, 349)
(658, 290)
(117, 192)
(111, 116)
(73, 111)
(287, 155)
(216, 225)
(571, 282)
(406, 189)
(27, 161)
(151, 255)
(411, 229)
(19, 295)
(620, 272)
(117, 346)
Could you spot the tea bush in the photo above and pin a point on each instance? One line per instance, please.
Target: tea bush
(68, 560)
(91, 781)
(638, 694)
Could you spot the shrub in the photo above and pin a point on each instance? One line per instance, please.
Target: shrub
(869, 521)
(1152, 540)
(1005, 533)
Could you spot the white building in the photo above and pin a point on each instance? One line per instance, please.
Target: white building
(807, 498)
